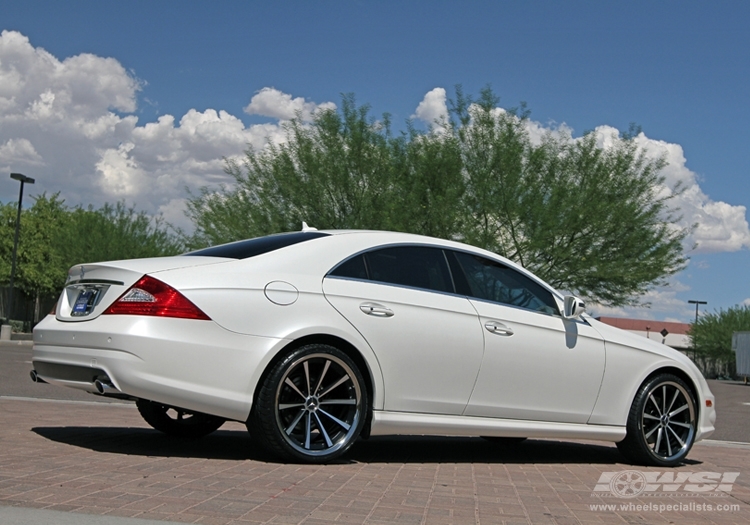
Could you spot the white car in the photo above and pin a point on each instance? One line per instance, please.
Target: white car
(316, 338)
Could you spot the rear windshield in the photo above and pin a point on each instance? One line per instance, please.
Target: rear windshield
(257, 246)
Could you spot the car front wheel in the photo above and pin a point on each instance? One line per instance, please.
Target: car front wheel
(662, 423)
(311, 406)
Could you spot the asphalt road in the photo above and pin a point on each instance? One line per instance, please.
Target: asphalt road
(732, 398)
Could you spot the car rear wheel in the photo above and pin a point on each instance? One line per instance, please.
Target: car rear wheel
(311, 406)
(177, 422)
(662, 423)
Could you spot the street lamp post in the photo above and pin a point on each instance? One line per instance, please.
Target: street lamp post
(23, 179)
(696, 303)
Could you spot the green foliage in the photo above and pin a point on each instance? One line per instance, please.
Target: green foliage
(115, 232)
(712, 334)
(54, 237)
(588, 219)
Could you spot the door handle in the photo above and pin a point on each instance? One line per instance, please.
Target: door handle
(498, 328)
(375, 309)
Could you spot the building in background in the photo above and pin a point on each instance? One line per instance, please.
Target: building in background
(670, 334)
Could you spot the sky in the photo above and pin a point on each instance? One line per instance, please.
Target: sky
(142, 100)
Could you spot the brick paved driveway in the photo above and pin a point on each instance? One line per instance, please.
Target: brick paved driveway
(99, 458)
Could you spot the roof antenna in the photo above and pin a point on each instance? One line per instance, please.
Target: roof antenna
(306, 228)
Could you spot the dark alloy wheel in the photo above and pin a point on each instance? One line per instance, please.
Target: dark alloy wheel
(662, 423)
(312, 405)
(177, 422)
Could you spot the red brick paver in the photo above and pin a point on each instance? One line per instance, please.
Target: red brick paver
(102, 459)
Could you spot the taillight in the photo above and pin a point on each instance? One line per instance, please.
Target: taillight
(150, 296)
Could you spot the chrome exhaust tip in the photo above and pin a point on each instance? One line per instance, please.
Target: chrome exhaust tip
(105, 388)
(35, 377)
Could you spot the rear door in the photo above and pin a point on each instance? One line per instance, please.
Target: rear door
(427, 339)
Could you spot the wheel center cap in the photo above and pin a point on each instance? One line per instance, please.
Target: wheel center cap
(312, 403)
(664, 420)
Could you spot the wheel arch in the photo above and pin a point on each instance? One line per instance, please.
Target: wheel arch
(342, 344)
(678, 372)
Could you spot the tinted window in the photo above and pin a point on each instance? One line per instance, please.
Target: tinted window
(416, 266)
(257, 246)
(354, 268)
(493, 281)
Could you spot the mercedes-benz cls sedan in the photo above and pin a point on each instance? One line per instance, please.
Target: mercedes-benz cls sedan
(316, 338)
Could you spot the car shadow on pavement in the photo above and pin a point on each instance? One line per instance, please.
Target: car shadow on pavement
(238, 445)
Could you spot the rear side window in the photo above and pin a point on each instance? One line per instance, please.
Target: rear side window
(413, 266)
(258, 245)
(493, 281)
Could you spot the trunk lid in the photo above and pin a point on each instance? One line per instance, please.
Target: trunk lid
(91, 288)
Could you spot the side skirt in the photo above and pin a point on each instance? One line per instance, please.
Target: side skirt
(395, 423)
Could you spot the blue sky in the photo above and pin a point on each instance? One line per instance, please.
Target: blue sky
(680, 70)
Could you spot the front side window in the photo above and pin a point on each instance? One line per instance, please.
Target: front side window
(493, 281)
(414, 266)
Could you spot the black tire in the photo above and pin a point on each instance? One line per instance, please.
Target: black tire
(505, 441)
(177, 422)
(662, 423)
(311, 406)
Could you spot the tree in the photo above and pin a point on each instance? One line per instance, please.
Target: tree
(114, 232)
(712, 333)
(585, 218)
(588, 219)
(54, 237)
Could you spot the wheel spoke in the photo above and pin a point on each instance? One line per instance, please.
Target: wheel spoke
(284, 406)
(306, 366)
(677, 411)
(658, 441)
(346, 426)
(684, 425)
(669, 445)
(343, 379)
(322, 375)
(289, 383)
(307, 430)
(664, 399)
(338, 402)
(676, 394)
(651, 398)
(682, 443)
(296, 421)
(649, 416)
(323, 430)
(652, 431)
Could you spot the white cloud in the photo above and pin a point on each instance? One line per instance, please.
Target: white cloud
(433, 109)
(746, 302)
(270, 102)
(66, 123)
(661, 301)
(20, 151)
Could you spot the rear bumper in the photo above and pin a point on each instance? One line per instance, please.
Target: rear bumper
(196, 365)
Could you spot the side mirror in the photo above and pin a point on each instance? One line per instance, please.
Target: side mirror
(573, 307)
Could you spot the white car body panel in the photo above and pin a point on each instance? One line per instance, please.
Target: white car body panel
(429, 350)
(400, 423)
(138, 354)
(632, 356)
(549, 369)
